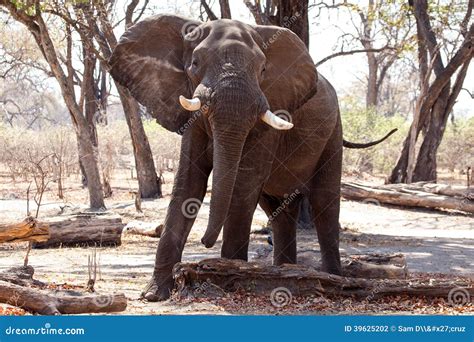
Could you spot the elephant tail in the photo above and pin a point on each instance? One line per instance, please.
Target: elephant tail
(349, 144)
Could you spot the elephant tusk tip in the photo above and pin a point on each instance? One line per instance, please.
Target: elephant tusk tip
(276, 122)
(287, 126)
(183, 101)
(190, 104)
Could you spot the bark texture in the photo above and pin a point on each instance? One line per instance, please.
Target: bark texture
(411, 197)
(83, 229)
(18, 288)
(233, 275)
(27, 230)
(437, 101)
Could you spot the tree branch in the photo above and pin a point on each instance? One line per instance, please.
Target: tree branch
(465, 52)
(208, 10)
(352, 52)
(461, 76)
(225, 9)
(467, 17)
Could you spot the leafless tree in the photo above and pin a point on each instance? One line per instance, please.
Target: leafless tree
(31, 15)
(93, 22)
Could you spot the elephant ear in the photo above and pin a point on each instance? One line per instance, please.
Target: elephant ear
(290, 77)
(148, 60)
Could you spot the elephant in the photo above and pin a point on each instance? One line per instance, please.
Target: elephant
(252, 108)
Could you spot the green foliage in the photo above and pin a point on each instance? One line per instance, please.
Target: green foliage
(456, 151)
(362, 125)
(30, 7)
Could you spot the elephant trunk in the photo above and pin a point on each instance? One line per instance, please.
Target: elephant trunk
(228, 146)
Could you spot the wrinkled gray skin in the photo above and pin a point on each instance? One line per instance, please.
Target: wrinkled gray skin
(238, 71)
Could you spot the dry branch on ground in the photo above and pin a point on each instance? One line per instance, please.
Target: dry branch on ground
(18, 288)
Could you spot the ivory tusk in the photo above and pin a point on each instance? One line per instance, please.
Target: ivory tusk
(275, 121)
(190, 104)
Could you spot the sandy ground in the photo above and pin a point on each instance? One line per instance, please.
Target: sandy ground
(432, 241)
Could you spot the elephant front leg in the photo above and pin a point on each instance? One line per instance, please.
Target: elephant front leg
(188, 192)
(235, 240)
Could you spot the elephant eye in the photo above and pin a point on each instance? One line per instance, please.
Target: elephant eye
(194, 63)
(263, 69)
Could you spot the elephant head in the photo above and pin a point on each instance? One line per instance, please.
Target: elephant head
(232, 73)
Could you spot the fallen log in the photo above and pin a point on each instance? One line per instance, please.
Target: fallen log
(83, 229)
(18, 288)
(406, 198)
(439, 189)
(27, 230)
(232, 275)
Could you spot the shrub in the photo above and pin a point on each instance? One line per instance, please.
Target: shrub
(362, 125)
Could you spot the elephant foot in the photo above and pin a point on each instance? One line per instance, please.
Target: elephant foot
(158, 290)
(335, 269)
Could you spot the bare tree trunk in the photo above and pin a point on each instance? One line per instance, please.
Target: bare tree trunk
(148, 181)
(425, 168)
(436, 103)
(225, 9)
(103, 94)
(293, 15)
(372, 88)
(88, 156)
(91, 106)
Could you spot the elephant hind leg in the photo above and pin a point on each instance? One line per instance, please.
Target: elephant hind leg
(283, 214)
(325, 201)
